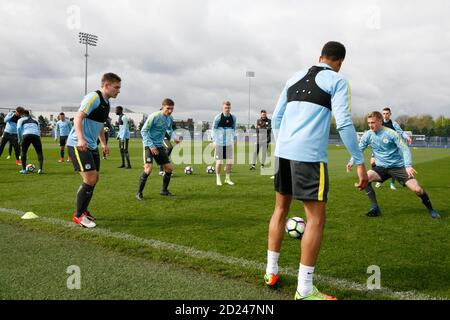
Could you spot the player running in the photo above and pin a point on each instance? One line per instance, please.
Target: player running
(82, 143)
(10, 133)
(393, 160)
(123, 136)
(29, 133)
(153, 131)
(223, 133)
(62, 130)
(301, 124)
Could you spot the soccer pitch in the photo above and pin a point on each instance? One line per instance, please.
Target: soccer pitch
(209, 242)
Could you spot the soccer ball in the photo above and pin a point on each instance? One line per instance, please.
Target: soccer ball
(295, 227)
(30, 167)
(188, 170)
(210, 169)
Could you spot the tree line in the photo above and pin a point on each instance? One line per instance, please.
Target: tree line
(418, 124)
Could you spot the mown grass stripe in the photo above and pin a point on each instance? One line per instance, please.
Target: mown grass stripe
(240, 262)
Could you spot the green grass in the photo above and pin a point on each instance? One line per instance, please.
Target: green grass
(410, 247)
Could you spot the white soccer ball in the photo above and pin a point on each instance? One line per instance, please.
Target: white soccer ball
(210, 169)
(295, 227)
(188, 170)
(30, 167)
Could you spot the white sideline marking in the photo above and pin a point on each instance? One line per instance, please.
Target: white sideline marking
(336, 282)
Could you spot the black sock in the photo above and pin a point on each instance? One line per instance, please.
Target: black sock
(62, 153)
(426, 201)
(142, 180)
(84, 196)
(166, 180)
(127, 155)
(161, 168)
(23, 159)
(41, 161)
(122, 154)
(372, 196)
(373, 165)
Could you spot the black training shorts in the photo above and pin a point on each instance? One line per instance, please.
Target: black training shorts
(302, 180)
(84, 160)
(161, 158)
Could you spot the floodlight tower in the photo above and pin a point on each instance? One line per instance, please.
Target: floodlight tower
(249, 75)
(88, 40)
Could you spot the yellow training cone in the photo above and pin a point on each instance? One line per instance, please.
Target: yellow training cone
(29, 215)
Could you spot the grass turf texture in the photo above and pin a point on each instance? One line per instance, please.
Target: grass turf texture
(410, 247)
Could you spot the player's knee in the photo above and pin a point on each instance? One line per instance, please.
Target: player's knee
(317, 222)
(148, 169)
(418, 190)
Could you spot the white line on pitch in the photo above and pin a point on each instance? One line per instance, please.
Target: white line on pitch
(241, 262)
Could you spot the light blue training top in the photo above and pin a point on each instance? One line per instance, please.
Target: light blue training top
(91, 128)
(155, 128)
(388, 147)
(62, 128)
(302, 128)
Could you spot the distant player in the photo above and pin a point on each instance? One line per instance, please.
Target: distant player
(223, 133)
(393, 160)
(389, 123)
(82, 143)
(10, 132)
(263, 135)
(29, 133)
(153, 132)
(62, 130)
(301, 123)
(107, 128)
(124, 137)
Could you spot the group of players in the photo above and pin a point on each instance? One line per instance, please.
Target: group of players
(21, 131)
(301, 124)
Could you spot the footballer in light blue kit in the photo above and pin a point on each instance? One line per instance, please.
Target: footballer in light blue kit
(10, 132)
(29, 133)
(157, 125)
(82, 143)
(301, 126)
(62, 130)
(389, 123)
(223, 134)
(123, 136)
(393, 160)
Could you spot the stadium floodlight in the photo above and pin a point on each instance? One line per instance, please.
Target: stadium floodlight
(88, 40)
(249, 75)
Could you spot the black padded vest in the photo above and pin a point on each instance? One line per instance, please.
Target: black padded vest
(101, 113)
(307, 90)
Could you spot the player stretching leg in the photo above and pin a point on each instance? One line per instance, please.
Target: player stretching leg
(393, 160)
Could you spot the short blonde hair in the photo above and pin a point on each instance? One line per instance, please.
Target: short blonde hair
(227, 103)
(375, 114)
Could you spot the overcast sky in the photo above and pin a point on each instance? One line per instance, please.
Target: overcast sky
(198, 51)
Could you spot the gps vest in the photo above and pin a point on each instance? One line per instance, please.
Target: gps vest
(389, 124)
(101, 113)
(307, 90)
(226, 122)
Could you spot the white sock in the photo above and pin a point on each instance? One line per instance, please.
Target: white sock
(305, 280)
(227, 176)
(272, 262)
(218, 176)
